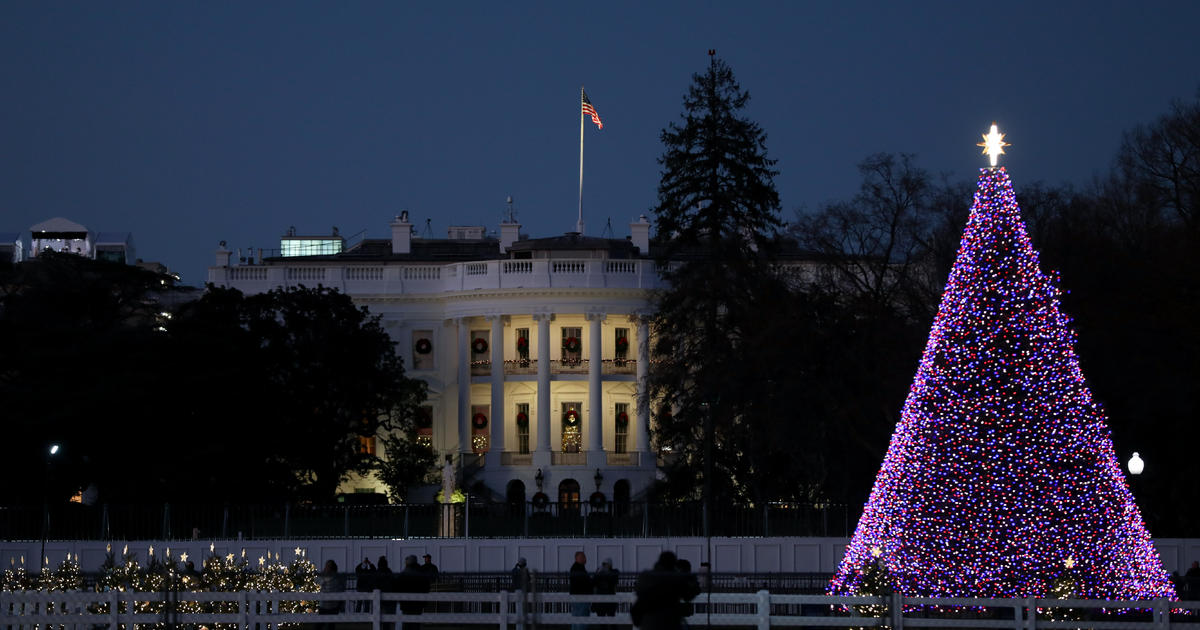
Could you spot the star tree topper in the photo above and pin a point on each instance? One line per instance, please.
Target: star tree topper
(993, 144)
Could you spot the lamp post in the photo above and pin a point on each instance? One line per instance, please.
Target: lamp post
(50, 453)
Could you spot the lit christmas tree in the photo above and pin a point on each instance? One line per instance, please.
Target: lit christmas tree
(1002, 466)
(16, 578)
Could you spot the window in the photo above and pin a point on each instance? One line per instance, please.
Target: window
(366, 445)
(523, 428)
(568, 492)
(422, 350)
(621, 344)
(522, 344)
(572, 345)
(481, 439)
(572, 437)
(621, 423)
(425, 426)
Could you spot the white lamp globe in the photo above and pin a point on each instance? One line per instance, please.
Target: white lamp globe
(1136, 465)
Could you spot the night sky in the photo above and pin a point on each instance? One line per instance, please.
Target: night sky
(188, 123)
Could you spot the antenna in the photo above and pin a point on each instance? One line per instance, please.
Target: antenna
(608, 231)
(428, 233)
(510, 214)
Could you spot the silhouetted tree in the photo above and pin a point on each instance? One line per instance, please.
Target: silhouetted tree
(716, 221)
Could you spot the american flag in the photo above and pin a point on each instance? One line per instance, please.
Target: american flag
(591, 111)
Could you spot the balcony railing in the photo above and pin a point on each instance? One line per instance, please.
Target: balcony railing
(569, 366)
(619, 366)
(622, 459)
(561, 458)
(516, 459)
(427, 278)
(479, 368)
(520, 366)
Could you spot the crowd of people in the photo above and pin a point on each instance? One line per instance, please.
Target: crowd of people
(413, 578)
(664, 593)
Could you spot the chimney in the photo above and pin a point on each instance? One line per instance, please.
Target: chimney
(402, 234)
(223, 255)
(509, 234)
(639, 235)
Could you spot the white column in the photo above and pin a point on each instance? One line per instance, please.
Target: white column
(641, 432)
(463, 352)
(594, 431)
(544, 414)
(497, 419)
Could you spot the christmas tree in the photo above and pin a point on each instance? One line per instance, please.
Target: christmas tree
(1002, 466)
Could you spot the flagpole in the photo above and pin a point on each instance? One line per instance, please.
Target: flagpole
(579, 221)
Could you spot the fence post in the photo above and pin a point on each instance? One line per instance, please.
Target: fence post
(287, 520)
(467, 517)
(376, 609)
(114, 602)
(897, 606)
(502, 610)
(766, 525)
(105, 529)
(1162, 613)
(406, 508)
(243, 607)
(346, 521)
(763, 603)
(166, 523)
(225, 522)
(1030, 622)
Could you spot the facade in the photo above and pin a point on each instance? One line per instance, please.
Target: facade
(62, 235)
(534, 350)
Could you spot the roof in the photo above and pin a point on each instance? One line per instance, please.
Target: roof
(440, 250)
(58, 224)
(574, 241)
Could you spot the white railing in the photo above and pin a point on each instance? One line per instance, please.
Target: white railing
(300, 274)
(517, 266)
(764, 610)
(364, 273)
(247, 273)
(424, 272)
(620, 266)
(568, 266)
(477, 269)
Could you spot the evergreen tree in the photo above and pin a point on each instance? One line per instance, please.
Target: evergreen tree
(1002, 466)
(717, 222)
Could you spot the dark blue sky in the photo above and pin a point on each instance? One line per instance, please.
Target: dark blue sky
(191, 122)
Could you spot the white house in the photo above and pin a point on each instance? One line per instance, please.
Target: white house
(534, 350)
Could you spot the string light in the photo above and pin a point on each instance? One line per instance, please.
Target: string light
(1002, 465)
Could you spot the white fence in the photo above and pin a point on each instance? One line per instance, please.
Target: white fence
(85, 611)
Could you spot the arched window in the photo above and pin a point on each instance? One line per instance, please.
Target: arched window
(621, 497)
(515, 493)
(568, 492)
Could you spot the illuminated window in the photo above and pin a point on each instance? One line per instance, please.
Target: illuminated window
(622, 428)
(310, 246)
(366, 445)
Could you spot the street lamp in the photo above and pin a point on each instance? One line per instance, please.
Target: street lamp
(51, 452)
(1136, 465)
